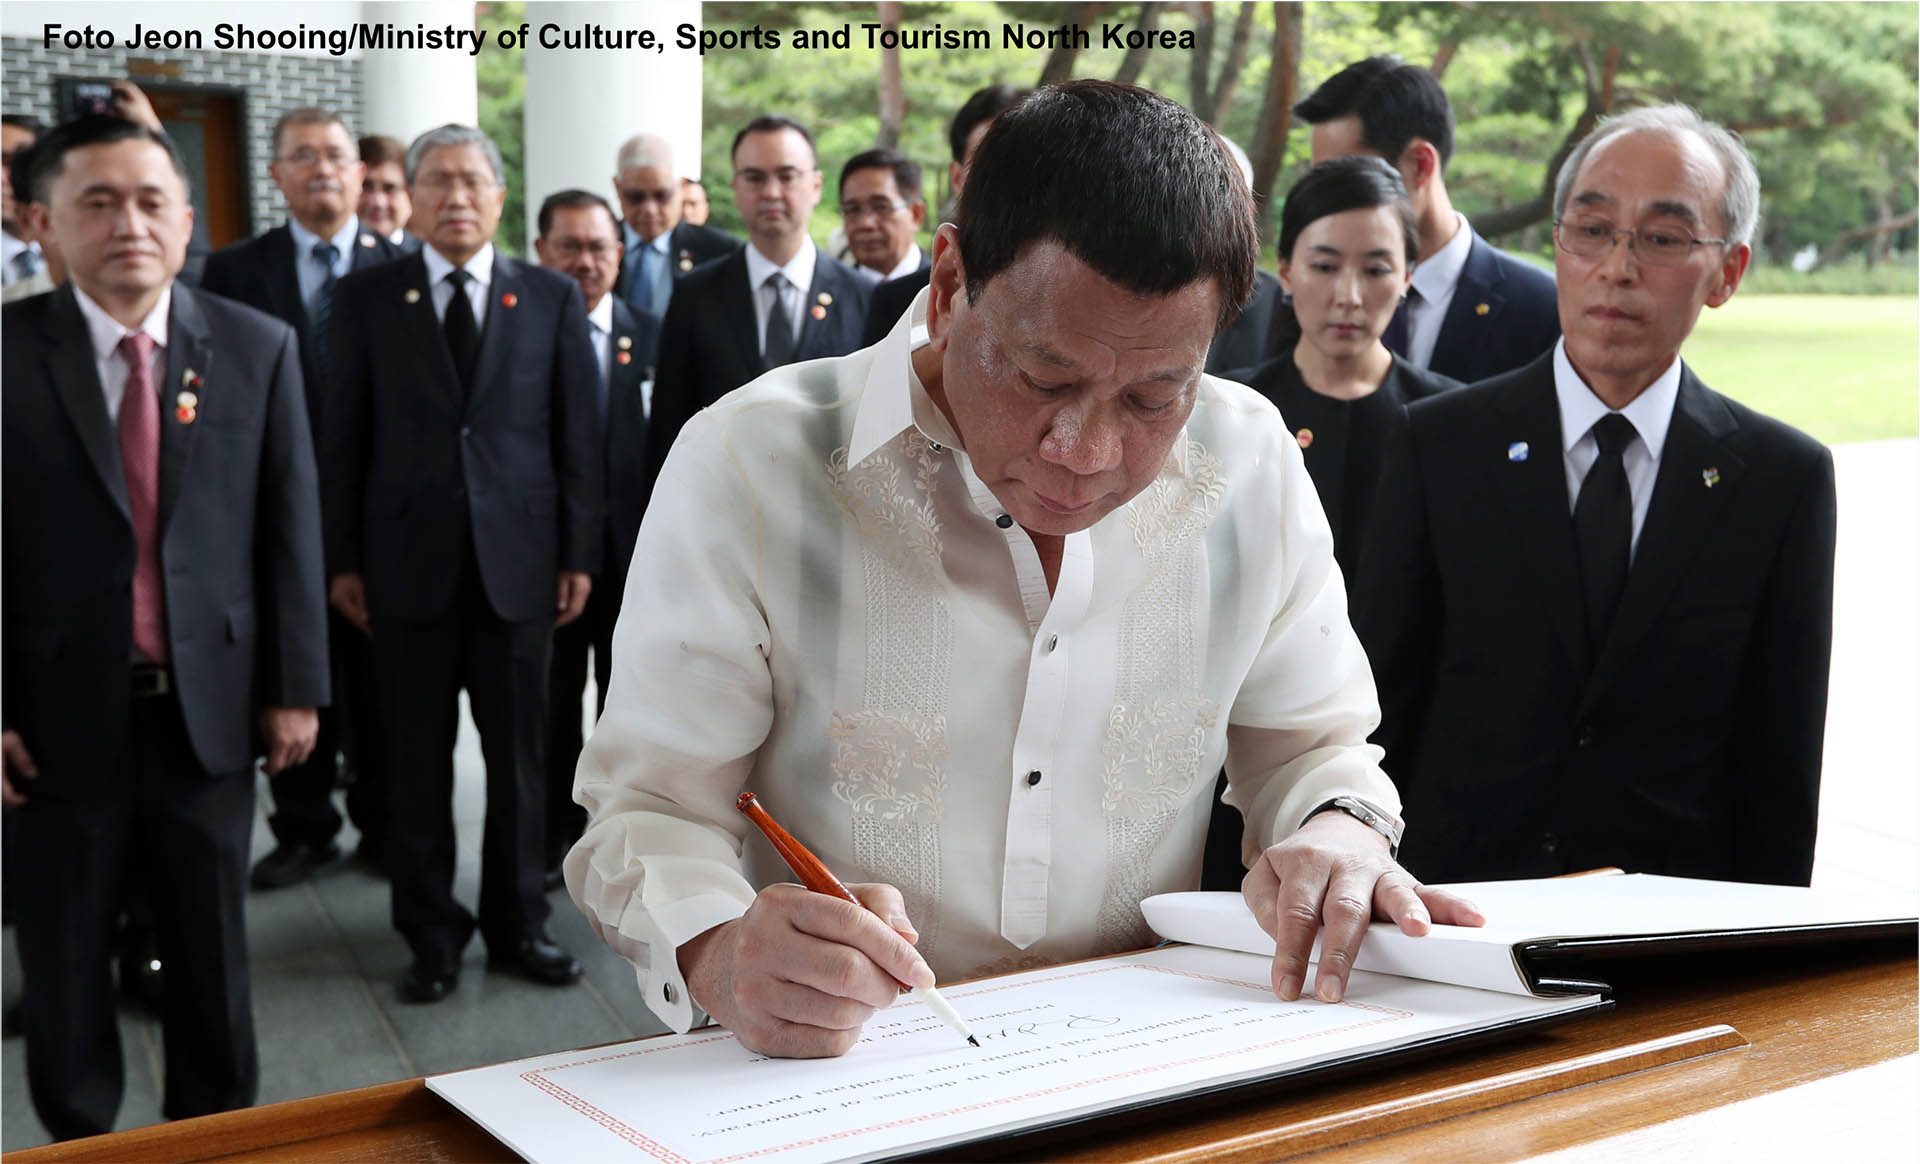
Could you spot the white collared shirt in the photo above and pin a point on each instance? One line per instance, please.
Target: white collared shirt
(799, 273)
(826, 608)
(905, 266)
(1435, 278)
(105, 333)
(600, 324)
(10, 247)
(308, 269)
(1651, 413)
(480, 266)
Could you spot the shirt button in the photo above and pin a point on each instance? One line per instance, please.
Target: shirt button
(1033, 778)
(1052, 642)
(935, 447)
(1004, 521)
(666, 990)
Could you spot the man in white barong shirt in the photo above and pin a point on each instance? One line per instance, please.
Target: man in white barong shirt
(979, 612)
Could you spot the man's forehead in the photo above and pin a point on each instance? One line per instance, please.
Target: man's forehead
(875, 177)
(312, 131)
(646, 177)
(129, 162)
(1672, 173)
(464, 156)
(582, 220)
(773, 147)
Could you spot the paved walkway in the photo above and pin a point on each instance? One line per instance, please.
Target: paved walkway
(326, 962)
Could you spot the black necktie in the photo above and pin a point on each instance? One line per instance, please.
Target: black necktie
(320, 311)
(1603, 527)
(1397, 335)
(778, 349)
(463, 335)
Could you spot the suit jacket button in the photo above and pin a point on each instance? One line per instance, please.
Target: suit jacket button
(1549, 843)
(1584, 740)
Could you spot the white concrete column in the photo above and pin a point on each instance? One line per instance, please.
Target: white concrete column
(409, 91)
(582, 102)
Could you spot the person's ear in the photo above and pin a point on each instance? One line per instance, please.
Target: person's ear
(946, 284)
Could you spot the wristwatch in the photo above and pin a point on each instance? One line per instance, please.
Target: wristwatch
(1367, 815)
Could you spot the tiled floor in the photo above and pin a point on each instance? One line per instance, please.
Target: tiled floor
(326, 961)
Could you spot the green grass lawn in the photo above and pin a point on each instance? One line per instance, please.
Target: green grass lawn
(1841, 367)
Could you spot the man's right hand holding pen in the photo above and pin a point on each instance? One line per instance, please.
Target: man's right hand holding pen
(801, 972)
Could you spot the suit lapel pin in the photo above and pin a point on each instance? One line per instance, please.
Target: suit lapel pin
(625, 342)
(186, 407)
(624, 357)
(686, 260)
(821, 302)
(366, 240)
(819, 312)
(824, 299)
(509, 300)
(413, 296)
(1517, 452)
(1305, 437)
(1481, 309)
(190, 379)
(1709, 476)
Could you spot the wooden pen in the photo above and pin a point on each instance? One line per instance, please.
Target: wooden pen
(816, 876)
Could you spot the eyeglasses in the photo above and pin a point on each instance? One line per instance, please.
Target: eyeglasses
(308, 158)
(657, 197)
(573, 248)
(1589, 236)
(877, 207)
(787, 176)
(441, 181)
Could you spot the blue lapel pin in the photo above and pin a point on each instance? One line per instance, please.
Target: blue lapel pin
(1517, 452)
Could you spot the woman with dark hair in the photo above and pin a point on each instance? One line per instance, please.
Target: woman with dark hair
(1348, 241)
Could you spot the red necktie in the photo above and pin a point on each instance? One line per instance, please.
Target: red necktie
(140, 458)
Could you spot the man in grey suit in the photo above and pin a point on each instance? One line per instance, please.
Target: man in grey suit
(163, 612)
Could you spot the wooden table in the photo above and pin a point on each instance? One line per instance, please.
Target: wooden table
(1797, 1016)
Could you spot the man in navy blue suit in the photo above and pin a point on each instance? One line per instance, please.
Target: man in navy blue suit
(463, 492)
(775, 301)
(1473, 311)
(579, 237)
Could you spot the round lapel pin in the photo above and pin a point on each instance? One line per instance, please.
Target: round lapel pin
(1517, 452)
(509, 300)
(1481, 309)
(625, 342)
(624, 357)
(1305, 437)
(413, 296)
(819, 312)
(1709, 477)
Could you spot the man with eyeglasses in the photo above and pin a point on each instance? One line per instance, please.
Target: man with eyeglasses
(660, 246)
(291, 272)
(1599, 603)
(881, 204)
(776, 301)
(463, 493)
(578, 239)
(1474, 310)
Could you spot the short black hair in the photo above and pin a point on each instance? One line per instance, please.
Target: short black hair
(773, 123)
(377, 149)
(50, 152)
(985, 105)
(693, 182)
(1127, 181)
(305, 115)
(26, 121)
(1337, 185)
(573, 200)
(906, 171)
(1395, 102)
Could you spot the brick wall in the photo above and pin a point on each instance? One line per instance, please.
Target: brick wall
(271, 84)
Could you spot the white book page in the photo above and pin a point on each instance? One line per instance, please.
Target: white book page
(1602, 906)
(1055, 1043)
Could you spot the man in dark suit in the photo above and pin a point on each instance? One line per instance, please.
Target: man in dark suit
(578, 238)
(1598, 595)
(1473, 311)
(970, 123)
(163, 612)
(463, 494)
(290, 273)
(384, 207)
(883, 210)
(660, 248)
(776, 301)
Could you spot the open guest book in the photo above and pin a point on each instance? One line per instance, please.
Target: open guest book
(1099, 1039)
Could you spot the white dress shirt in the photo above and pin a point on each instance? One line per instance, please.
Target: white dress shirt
(480, 266)
(1651, 414)
(1435, 278)
(799, 273)
(105, 333)
(828, 607)
(905, 266)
